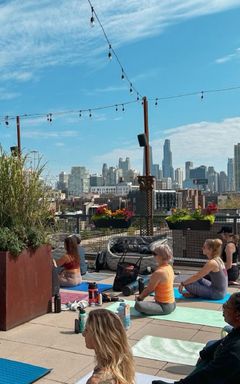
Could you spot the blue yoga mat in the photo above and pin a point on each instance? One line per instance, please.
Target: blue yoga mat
(179, 296)
(84, 287)
(14, 372)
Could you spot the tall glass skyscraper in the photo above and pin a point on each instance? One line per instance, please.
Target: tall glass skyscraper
(237, 167)
(167, 167)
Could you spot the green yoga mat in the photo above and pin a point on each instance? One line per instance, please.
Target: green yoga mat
(183, 315)
(170, 350)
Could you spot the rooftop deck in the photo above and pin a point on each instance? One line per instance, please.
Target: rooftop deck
(50, 341)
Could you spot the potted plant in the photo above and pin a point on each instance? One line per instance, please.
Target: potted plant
(25, 259)
(104, 217)
(198, 219)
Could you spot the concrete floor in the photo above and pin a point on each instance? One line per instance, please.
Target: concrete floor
(50, 341)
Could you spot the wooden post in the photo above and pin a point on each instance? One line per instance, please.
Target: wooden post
(18, 136)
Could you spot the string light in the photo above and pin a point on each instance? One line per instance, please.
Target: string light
(90, 113)
(80, 114)
(109, 52)
(92, 21)
(138, 97)
(6, 120)
(49, 117)
(202, 95)
(112, 52)
(116, 108)
(156, 101)
(123, 109)
(130, 89)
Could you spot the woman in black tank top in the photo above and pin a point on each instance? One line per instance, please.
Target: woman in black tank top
(230, 254)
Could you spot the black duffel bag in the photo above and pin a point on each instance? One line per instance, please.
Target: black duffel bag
(126, 273)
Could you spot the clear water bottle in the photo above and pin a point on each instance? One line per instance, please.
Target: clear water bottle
(124, 314)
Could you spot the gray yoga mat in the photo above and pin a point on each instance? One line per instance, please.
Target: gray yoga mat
(183, 315)
(96, 276)
(170, 350)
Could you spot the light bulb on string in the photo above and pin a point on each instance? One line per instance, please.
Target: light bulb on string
(109, 52)
(92, 20)
(123, 109)
(6, 120)
(138, 97)
(116, 108)
(80, 113)
(130, 89)
(202, 95)
(122, 77)
(49, 117)
(156, 101)
(90, 113)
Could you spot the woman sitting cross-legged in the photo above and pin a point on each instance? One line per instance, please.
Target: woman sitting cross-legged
(71, 274)
(161, 283)
(105, 334)
(211, 281)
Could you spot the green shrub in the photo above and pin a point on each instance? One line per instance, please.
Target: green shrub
(24, 205)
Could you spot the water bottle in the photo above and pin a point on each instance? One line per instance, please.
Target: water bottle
(124, 314)
(141, 285)
(92, 294)
(57, 303)
(100, 301)
(82, 319)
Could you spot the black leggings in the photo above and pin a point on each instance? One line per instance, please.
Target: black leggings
(233, 273)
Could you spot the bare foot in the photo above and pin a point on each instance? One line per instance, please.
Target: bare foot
(187, 294)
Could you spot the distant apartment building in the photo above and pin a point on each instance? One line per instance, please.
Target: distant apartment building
(179, 177)
(78, 182)
(223, 182)
(96, 180)
(165, 200)
(230, 176)
(62, 183)
(213, 180)
(237, 167)
(120, 189)
(156, 171)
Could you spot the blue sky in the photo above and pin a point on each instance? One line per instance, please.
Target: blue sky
(51, 60)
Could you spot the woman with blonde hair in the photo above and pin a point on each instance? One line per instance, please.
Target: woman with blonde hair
(104, 332)
(161, 283)
(71, 274)
(211, 281)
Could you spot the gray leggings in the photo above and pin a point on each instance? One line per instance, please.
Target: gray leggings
(203, 288)
(154, 308)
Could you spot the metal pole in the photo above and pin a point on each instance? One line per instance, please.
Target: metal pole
(146, 131)
(18, 136)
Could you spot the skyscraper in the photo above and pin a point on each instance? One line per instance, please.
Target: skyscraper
(167, 167)
(188, 166)
(237, 167)
(230, 175)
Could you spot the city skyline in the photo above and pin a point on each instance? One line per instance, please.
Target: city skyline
(47, 68)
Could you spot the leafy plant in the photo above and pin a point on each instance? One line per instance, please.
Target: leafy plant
(103, 212)
(24, 205)
(179, 215)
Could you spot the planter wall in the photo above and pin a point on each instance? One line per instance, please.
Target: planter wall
(196, 225)
(112, 223)
(25, 286)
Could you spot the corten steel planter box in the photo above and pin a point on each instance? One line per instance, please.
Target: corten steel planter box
(25, 286)
(196, 225)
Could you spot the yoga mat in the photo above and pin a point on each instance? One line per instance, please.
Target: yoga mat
(84, 287)
(14, 372)
(170, 350)
(67, 297)
(182, 315)
(141, 378)
(179, 296)
(95, 276)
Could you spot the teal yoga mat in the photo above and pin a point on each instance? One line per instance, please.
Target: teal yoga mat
(14, 372)
(170, 350)
(183, 315)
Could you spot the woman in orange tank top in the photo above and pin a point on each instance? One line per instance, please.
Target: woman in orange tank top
(161, 283)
